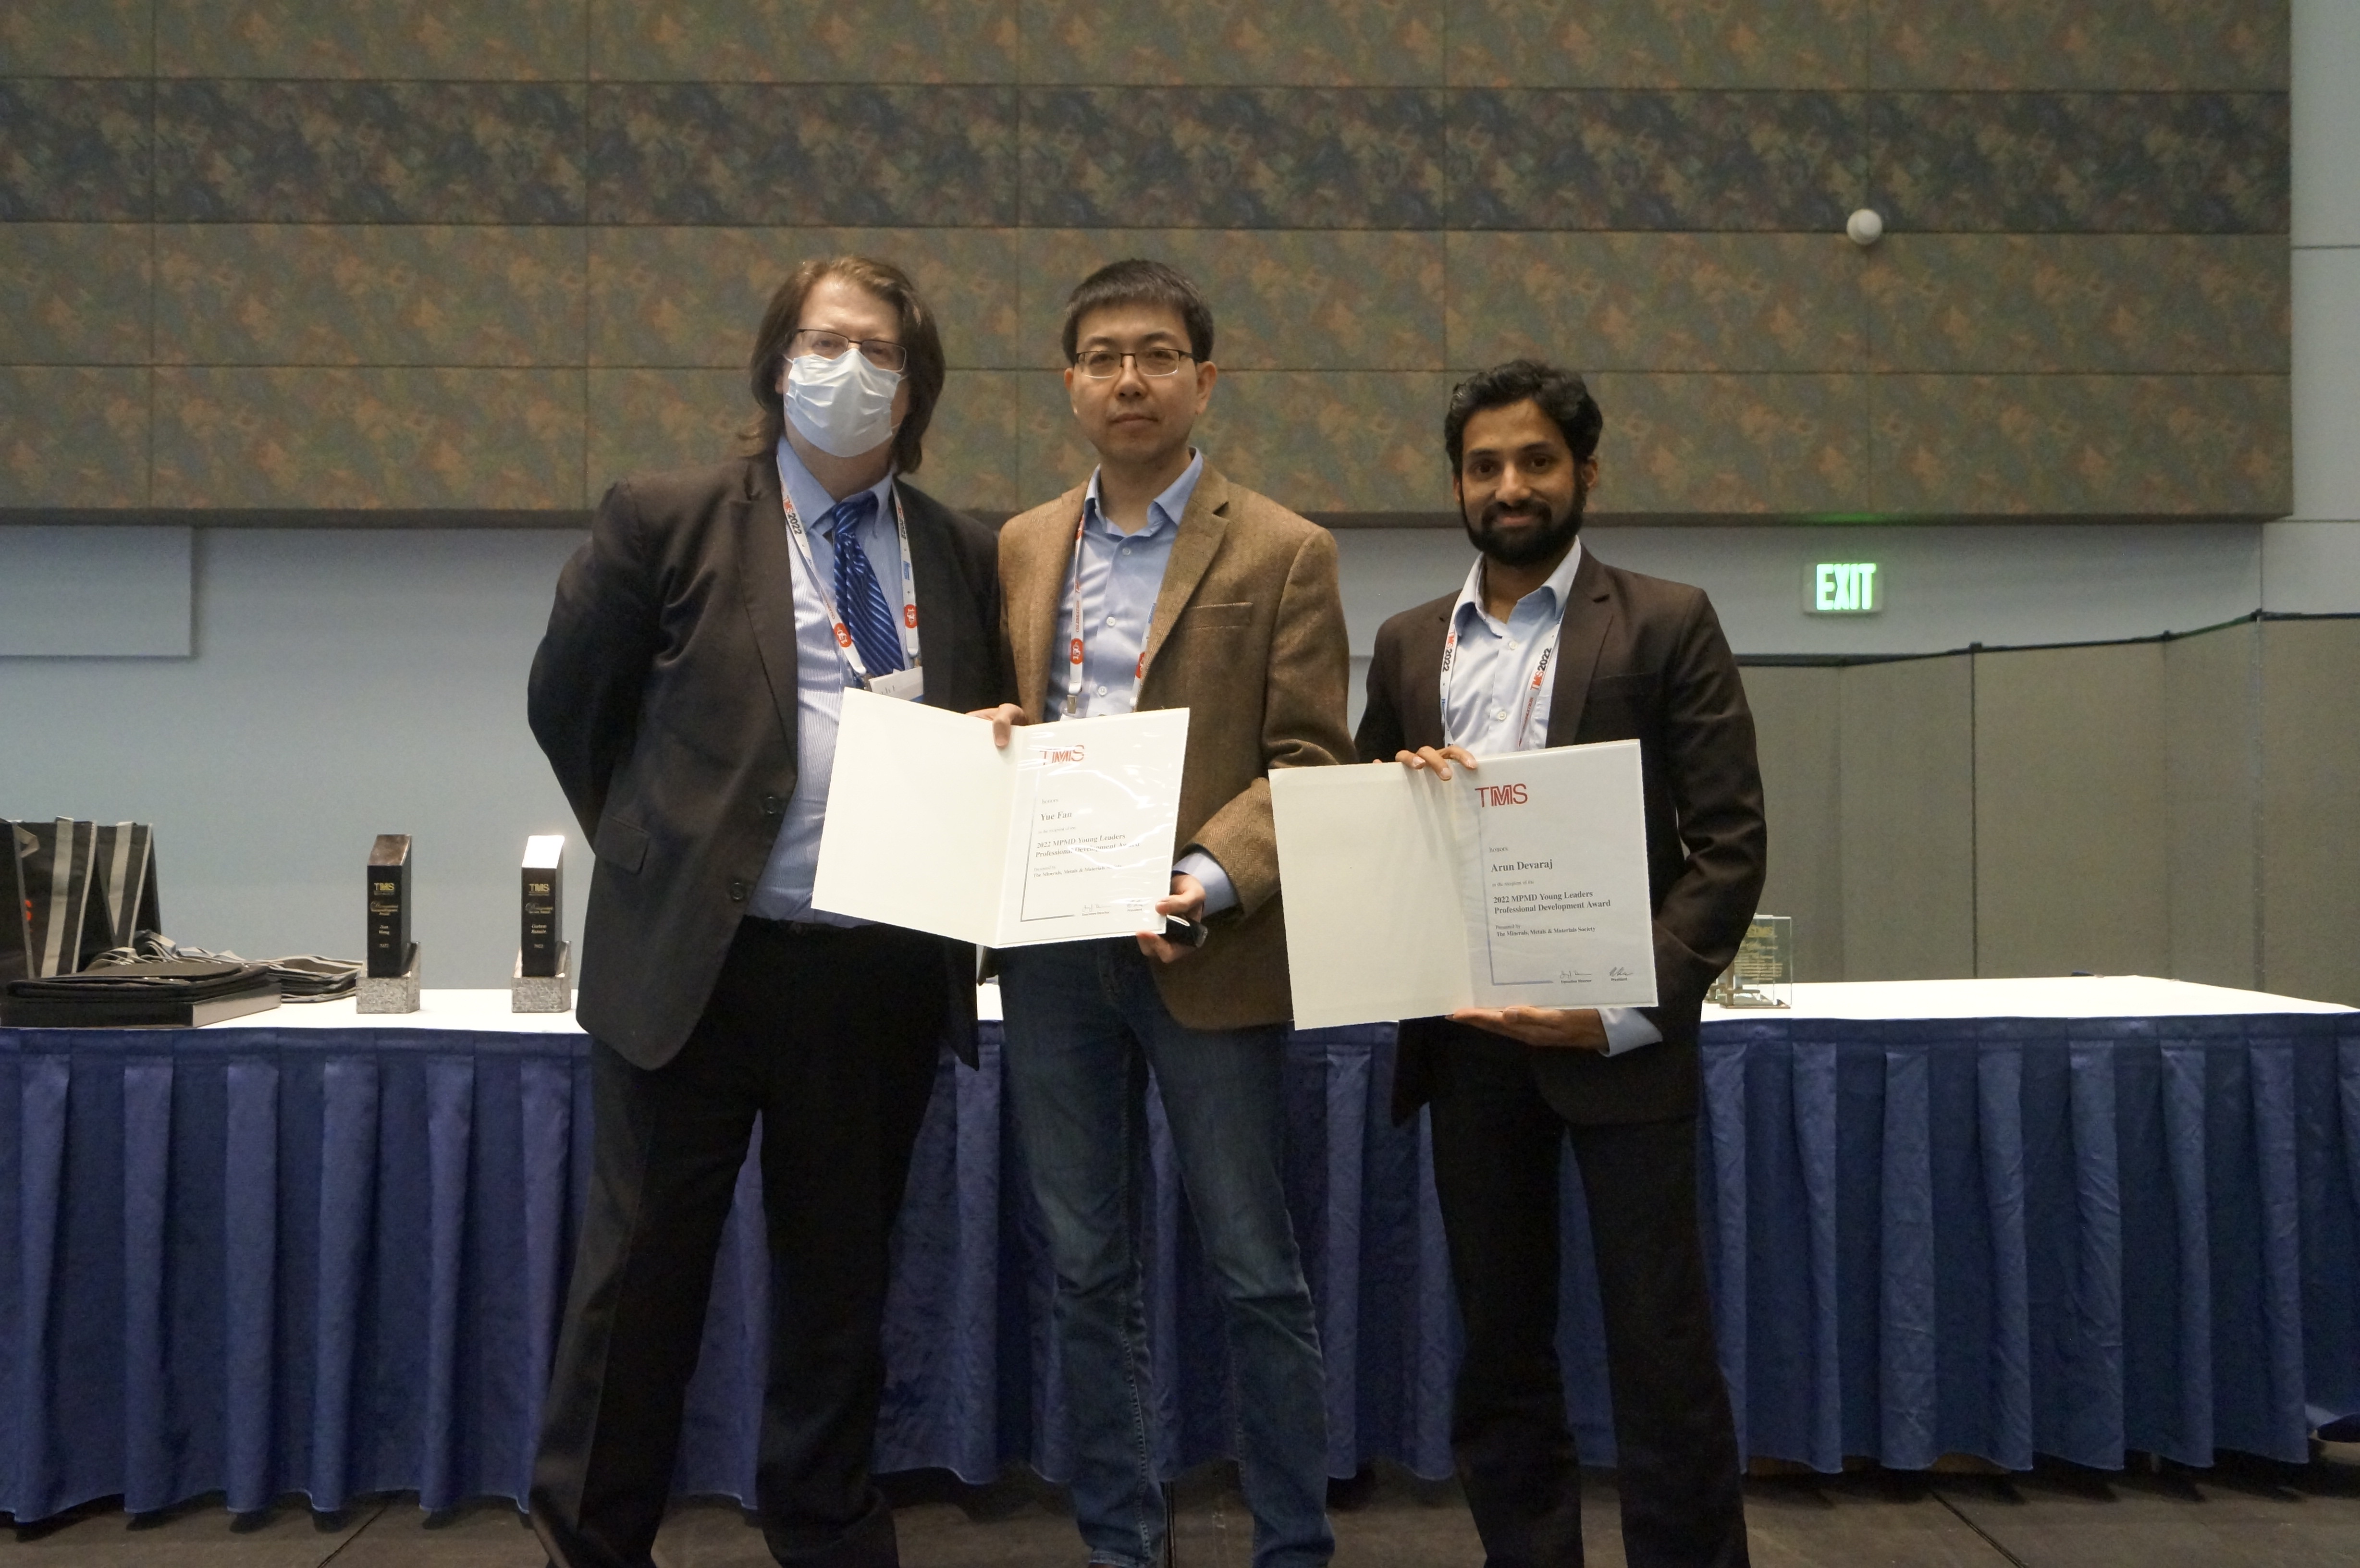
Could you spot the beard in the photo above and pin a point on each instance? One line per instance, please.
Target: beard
(1556, 532)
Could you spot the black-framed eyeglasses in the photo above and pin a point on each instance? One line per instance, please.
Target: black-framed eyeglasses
(883, 353)
(1105, 364)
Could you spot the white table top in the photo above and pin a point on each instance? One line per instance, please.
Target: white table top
(2047, 996)
(487, 1010)
(2078, 997)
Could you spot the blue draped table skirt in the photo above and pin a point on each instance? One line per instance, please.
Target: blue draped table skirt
(264, 1261)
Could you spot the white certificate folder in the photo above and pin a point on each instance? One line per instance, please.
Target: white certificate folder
(1523, 883)
(1066, 834)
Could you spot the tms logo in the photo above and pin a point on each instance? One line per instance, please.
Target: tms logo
(1499, 794)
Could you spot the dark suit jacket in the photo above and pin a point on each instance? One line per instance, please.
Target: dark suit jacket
(664, 695)
(1643, 660)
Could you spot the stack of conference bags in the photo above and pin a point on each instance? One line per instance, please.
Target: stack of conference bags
(307, 977)
(179, 993)
(87, 950)
(76, 890)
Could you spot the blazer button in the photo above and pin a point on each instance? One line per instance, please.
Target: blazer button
(771, 804)
(736, 890)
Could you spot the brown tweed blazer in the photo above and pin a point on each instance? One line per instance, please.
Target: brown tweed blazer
(1248, 635)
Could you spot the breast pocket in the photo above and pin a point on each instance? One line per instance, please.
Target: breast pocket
(1209, 654)
(1211, 617)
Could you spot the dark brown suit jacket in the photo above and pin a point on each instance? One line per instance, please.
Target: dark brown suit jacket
(663, 693)
(1639, 658)
(1248, 635)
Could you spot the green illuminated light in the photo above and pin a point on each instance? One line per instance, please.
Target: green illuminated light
(1846, 588)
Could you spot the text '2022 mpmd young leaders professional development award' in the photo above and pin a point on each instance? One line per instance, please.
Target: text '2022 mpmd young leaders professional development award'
(1523, 883)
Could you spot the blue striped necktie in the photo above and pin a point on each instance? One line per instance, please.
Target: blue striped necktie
(859, 598)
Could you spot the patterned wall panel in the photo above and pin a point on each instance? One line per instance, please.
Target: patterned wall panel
(695, 295)
(1658, 43)
(76, 38)
(369, 438)
(368, 294)
(1655, 160)
(1234, 157)
(1658, 301)
(77, 293)
(759, 154)
(77, 149)
(322, 228)
(2062, 303)
(803, 41)
(73, 436)
(1283, 299)
(1343, 43)
(369, 152)
(401, 39)
(2168, 445)
(651, 420)
(2015, 44)
(1735, 444)
(2200, 163)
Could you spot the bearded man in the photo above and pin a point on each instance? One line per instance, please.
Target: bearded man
(1545, 645)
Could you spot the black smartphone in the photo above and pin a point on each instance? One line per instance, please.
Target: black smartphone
(1188, 933)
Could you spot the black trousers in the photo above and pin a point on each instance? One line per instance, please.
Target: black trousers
(832, 1037)
(1497, 1144)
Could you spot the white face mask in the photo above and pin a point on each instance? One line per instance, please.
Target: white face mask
(842, 406)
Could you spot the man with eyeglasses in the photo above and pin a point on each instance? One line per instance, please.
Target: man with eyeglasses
(687, 695)
(1161, 584)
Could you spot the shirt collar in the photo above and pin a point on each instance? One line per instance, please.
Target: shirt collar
(810, 498)
(1558, 587)
(1165, 511)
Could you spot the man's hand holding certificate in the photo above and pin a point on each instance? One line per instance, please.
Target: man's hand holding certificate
(1064, 833)
(1520, 884)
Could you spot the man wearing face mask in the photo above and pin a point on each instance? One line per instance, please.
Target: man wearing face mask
(687, 694)
(1545, 645)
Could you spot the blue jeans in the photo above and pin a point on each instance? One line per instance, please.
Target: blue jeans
(1084, 1027)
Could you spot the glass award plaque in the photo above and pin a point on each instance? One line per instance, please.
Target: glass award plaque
(1762, 975)
(388, 984)
(542, 983)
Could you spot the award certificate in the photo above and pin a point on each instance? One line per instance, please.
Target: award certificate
(1522, 882)
(1066, 834)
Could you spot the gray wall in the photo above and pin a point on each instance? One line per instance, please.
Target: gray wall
(2312, 561)
(2177, 807)
(344, 685)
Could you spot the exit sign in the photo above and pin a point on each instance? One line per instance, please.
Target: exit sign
(1846, 588)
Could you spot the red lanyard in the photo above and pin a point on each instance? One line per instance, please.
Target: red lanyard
(909, 628)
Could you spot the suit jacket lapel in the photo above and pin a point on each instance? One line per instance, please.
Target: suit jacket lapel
(1422, 684)
(768, 580)
(1205, 524)
(931, 576)
(1033, 605)
(1587, 613)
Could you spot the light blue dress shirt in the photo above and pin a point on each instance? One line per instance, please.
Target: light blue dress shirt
(1491, 679)
(1122, 575)
(821, 675)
